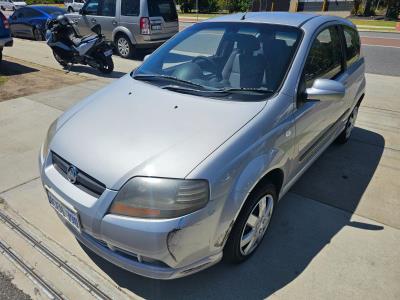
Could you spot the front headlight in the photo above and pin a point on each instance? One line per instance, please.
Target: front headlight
(149, 197)
(50, 134)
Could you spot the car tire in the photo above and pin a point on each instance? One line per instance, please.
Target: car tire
(2, 8)
(70, 9)
(124, 46)
(251, 225)
(37, 35)
(344, 136)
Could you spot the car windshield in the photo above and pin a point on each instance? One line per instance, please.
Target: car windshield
(237, 61)
(55, 11)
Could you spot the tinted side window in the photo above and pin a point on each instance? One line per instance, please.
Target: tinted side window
(92, 7)
(352, 43)
(34, 14)
(163, 8)
(107, 8)
(130, 7)
(324, 59)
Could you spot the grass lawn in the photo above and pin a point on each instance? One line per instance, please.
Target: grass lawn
(374, 23)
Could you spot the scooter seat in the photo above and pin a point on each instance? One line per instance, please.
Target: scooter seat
(78, 41)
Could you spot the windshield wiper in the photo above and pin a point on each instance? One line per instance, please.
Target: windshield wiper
(167, 77)
(244, 90)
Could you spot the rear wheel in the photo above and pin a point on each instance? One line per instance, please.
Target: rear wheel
(107, 65)
(70, 9)
(124, 46)
(251, 225)
(59, 59)
(37, 35)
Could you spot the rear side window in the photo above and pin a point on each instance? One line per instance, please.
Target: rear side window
(163, 8)
(130, 7)
(107, 8)
(352, 43)
(324, 59)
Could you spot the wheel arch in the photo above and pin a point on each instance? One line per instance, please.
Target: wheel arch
(122, 30)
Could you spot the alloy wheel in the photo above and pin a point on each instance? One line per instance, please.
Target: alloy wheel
(123, 46)
(351, 122)
(257, 224)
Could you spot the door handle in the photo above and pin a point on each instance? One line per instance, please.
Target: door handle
(93, 20)
(114, 23)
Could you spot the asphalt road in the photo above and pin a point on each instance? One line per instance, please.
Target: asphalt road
(381, 58)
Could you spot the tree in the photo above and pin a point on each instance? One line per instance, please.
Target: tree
(393, 9)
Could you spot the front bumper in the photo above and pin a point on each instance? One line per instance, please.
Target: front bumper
(159, 249)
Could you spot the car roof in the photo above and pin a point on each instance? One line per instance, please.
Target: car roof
(278, 18)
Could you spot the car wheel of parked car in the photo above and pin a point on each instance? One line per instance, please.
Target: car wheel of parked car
(37, 35)
(251, 225)
(351, 121)
(70, 9)
(124, 46)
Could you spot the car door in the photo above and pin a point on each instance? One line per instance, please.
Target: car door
(107, 17)
(17, 20)
(316, 120)
(354, 63)
(87, 19)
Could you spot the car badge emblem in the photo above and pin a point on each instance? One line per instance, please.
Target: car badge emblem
(72, 174)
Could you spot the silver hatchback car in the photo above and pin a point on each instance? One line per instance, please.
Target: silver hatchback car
(130, 24)
(183, 161)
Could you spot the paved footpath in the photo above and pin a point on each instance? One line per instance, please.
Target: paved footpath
(335, 234)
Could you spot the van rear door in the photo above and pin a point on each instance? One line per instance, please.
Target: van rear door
(163, 18)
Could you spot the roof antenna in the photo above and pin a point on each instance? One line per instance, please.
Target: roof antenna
(244, 16)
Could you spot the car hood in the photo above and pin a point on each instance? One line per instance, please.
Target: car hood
(132, 128)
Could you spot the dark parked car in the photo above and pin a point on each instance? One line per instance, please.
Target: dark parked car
(30, 21)
(5, 34)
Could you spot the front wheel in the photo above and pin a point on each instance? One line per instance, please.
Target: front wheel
(107, 65)
(37, 35)
(351, 121)
(251, 225)
(59, 59)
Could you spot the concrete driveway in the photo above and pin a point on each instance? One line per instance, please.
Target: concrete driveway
(335, 235)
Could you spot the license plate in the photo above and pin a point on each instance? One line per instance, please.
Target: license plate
(156, 27)
(108, 53)
(68, 214)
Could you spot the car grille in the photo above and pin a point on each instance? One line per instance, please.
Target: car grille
(83, 181)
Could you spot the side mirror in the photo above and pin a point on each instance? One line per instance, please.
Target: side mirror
(326, 90)
(146, 57)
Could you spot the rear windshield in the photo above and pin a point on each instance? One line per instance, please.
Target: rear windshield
(163, 8)
(55, 11)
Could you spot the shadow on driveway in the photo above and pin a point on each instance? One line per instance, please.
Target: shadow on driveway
(301, 228)
(92, 71)
(9, 68)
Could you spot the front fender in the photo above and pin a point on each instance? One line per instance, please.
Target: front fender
(124, 30)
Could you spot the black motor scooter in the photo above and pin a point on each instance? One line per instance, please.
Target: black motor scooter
(68, 48)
